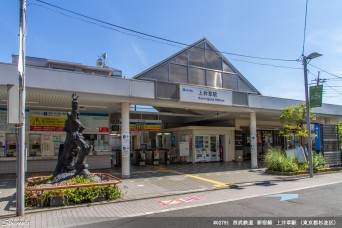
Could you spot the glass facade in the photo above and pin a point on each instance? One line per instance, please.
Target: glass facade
(201, 65)
(214, 79)
(196, 76)
(178, 73)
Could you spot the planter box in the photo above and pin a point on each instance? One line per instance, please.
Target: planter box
(101, 198)
(58, 201)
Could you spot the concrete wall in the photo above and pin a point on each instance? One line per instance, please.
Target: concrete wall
(78, 82)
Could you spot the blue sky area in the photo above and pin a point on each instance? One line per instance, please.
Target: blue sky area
(264, 28)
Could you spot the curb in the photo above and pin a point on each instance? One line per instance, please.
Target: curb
(229, 186)
(304, 173)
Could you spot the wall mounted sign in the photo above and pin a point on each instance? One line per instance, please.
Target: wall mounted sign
(54, 121)
(146, 126)
(205, 95)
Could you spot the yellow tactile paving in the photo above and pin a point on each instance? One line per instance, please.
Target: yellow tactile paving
(216, 183)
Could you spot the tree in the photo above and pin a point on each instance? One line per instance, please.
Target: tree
(293, 119)
(340, 132)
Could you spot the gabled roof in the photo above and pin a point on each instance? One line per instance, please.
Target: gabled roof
(252, 89)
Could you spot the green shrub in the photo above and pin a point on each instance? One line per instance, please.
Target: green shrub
(318, 162)
(276, 160)
(72, 195)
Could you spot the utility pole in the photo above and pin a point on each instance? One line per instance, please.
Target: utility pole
(318, 79)
(21, 155)
(305, 61)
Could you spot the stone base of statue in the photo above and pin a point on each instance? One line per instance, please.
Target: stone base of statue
(64, 178)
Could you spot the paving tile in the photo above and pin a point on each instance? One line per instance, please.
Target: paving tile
(155, 181)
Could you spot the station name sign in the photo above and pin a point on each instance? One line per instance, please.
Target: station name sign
(205, 95)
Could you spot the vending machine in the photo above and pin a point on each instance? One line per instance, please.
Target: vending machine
(215, 148)
(202, 148)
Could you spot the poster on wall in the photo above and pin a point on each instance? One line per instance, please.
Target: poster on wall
(184, 149)
(47, 121)
(125, 144)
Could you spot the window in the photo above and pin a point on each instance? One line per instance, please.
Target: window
(196, 76)
(196, 55)
(230, 81)
(214, 79)
(178, 73)
(181, 59)
(159, 74)
(213, 59)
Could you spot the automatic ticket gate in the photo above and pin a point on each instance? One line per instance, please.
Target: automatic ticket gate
(138, 157)
(164, 156)
(152, 157)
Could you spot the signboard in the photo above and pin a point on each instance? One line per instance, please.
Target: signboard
(297, 153)
(95, 123)
(316, 94)
(54, 121)
(147, 126)
(317, 131)
(42, 123)
(125, 144)
(47, 121)
(205, 95)
(184, 149)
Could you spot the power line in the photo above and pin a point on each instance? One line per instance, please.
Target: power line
(87, 21)
(266, 64)
(326, 71)
(333, 89)
(156, 37)
(94, 23)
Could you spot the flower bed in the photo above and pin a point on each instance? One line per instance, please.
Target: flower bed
(42, 192)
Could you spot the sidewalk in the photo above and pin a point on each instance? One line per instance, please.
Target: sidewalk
(162, 180)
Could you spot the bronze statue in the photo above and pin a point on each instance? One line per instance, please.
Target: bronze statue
(74, 146)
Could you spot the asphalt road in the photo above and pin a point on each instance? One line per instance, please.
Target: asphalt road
(309, 206)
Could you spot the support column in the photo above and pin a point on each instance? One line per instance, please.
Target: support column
(125, 141)
(253, 134)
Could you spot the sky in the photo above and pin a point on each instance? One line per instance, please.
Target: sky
(260, 28)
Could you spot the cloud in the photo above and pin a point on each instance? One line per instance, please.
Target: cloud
(141, 54)
(327, 39)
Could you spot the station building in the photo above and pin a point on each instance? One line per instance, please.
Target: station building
(204, 110)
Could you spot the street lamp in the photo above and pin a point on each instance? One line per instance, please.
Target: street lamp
(306, 59)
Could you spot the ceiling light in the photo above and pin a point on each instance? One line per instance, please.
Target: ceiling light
(92, 106)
